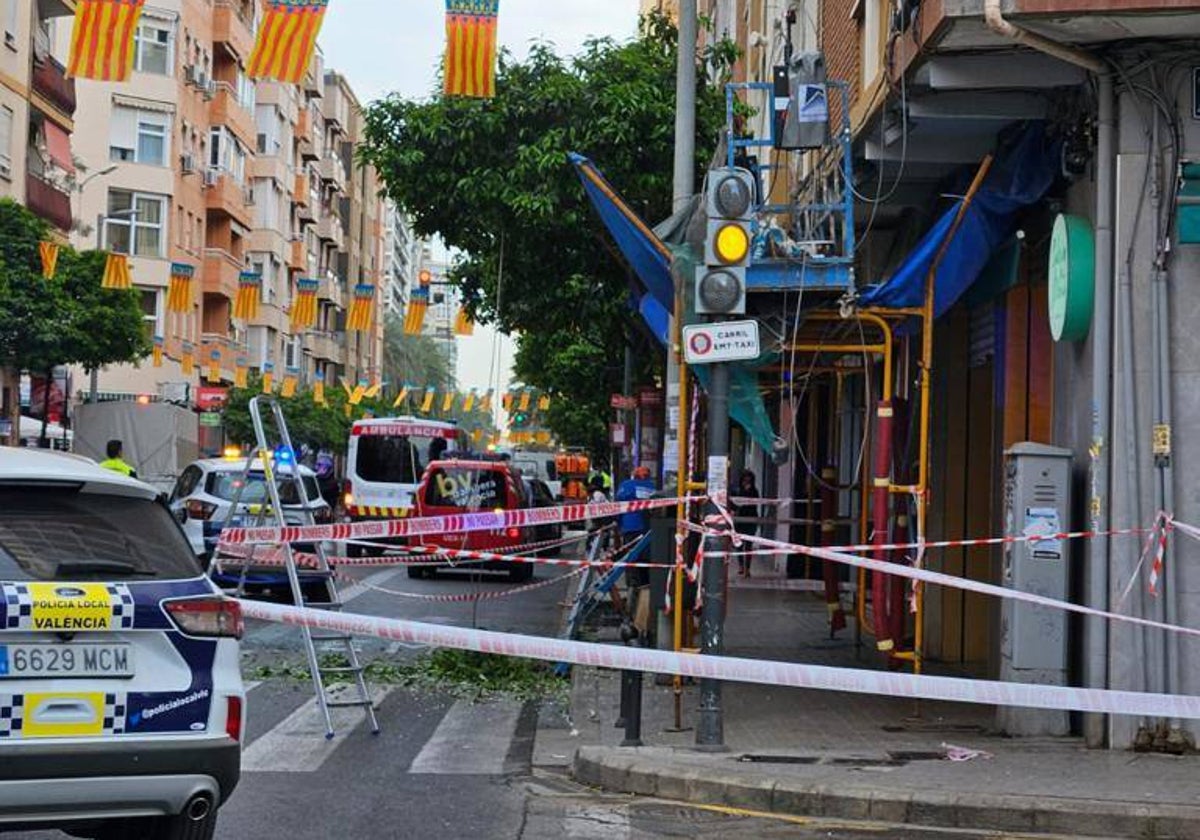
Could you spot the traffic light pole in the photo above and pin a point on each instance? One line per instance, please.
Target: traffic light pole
(710, 727)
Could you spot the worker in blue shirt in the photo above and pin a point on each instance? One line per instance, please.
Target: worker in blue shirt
(638, 488)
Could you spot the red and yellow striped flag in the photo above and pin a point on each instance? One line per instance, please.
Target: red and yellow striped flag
(268, 379)
(427, 405)
(245, 308)
(543, 403)
(187, 359)
(116, 273)
(524, 404)
(157, 351)
(49, 254)
(418, 304)
(304, 305)
(290, 378)
(179, 291)
(286, 38)
(463, 325)
(469, 401)
(319, 388)
(359, 318)
(485, 404)
(448, 402)
(102, 39)
(470, 63)
(214, 367)
(241, 372)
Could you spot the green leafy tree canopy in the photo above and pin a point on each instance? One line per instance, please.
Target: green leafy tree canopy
(492, 179)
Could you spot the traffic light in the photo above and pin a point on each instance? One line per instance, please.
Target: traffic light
(729, 205)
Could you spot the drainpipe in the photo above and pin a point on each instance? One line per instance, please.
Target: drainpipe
(1096, 634)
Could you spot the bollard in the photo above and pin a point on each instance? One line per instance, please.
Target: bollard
(631, 694)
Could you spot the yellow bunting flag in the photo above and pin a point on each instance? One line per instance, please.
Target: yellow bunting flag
(477, 435)
(290, 377)
(187, 359)
(469, 401)
(448, 402)
(401, 397)
(241, 373)
(286, 39)
(48, 251)
(470, 62)
(485, 403)
(542, 438)
(245, 308)
(116, 273)
(319, 388)
(524, 405)
(543, 403)
(214, 367)
(507, 401)
(346, 387)
(373, 391)
(418, 304)
(427, 405)
(156, 353)
(179, 292)
(360, 391)
(304, 305)
(463, 325)
(359, 318)
(102, 39)
(268, 379)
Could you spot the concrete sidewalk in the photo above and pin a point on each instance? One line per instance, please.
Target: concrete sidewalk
(816, 753)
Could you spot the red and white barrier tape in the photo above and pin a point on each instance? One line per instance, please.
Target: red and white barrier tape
(429, 525)
(735, 669)
(900, 570)
(465, 597)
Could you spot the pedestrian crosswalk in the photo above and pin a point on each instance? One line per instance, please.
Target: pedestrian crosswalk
(491, 737)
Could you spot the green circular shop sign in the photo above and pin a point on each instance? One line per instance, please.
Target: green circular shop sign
(1072, 278)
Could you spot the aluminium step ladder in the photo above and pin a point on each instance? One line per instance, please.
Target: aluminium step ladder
(279, 465)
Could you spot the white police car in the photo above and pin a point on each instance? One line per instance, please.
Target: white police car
(121, 697)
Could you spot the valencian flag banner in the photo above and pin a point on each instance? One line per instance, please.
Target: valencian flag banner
(359, 318)
(179, 292)
(319, 388)
(414, 316)
(463, 325)
(187, 358)
(268, 378)
(427, 404)
(116, 273)
(470, 66)
(245, 308)
(290, 377)
(485, 404)
(286, 38)
(401, 397)
(157, 351)
(241, 372)
(304, 306)
(102, 39)
(48, 251)
(214, 367)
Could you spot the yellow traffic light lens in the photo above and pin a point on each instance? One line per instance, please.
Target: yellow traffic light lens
(732, 244)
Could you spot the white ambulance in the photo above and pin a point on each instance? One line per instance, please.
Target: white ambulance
(386, 459)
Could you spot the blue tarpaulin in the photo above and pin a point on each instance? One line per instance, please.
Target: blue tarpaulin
(647, 255)
(1020, 176)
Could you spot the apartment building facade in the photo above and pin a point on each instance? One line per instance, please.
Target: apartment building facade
(196, 164)
(1100, 104)
(399, 260)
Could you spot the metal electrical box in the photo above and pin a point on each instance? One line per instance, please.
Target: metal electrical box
(1033, 639)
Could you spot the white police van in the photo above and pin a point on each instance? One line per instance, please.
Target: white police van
(121, 697)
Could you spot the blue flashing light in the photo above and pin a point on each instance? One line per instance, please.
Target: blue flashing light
(283, 455)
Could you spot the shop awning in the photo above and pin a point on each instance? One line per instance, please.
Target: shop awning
(647, 254)
(1021, 176)
(58, 146)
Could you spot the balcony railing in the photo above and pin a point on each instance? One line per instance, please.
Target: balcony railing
(48, 201)
(50, 80)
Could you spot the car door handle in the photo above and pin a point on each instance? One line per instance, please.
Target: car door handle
(65, 711)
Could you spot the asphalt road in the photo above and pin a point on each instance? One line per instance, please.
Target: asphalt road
(441, 767)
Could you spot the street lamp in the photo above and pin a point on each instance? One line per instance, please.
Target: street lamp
(79, 188)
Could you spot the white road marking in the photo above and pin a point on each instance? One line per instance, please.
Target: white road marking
(472, 739)
(297, 744)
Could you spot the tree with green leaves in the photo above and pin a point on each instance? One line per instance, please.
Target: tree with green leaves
(492, 179)
(414, 359)
(68, 319)
(310, 424)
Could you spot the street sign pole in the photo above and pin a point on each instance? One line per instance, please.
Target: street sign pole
(710, 726)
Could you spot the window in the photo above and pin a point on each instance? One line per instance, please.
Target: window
(152, 49)
(6, 130)
(135, 223)
(226, 154)
(149, 301)
(139, 136)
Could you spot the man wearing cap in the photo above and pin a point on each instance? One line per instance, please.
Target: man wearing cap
(638, 488)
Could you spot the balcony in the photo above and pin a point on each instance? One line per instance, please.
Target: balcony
(329, 228)
(330, 289)
(48, 201)
(297, 256)
(232, 28)
(333, 173)
(300, 191)
(226, 110)
(327, 346)
(225, 195)
(50, 81)
(220, 274)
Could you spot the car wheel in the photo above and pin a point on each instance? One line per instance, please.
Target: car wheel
(520, 572)
(353, 550)
(419, 572)
(157, 828)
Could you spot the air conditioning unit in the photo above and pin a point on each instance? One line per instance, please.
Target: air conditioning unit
(187, 163)
(210, 88)
(189, 74)
(200, 78)
(5, 168)
(211, 177)
(248, 197)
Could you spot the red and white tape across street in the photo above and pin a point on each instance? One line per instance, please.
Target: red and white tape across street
(735, 669)
(430, 525)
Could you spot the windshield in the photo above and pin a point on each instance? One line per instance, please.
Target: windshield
(467, 489)
(225, 486)
(63, 534)
(394, 460)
